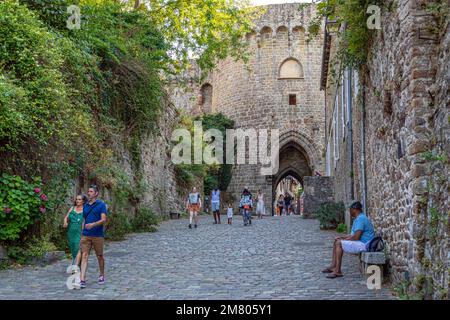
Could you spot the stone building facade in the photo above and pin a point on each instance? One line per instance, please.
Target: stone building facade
(388, 133)
(277, 89)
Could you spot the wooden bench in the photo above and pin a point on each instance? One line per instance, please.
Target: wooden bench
(367, 259)
(174, 215)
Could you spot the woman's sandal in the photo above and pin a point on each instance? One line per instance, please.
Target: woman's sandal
(327, 270)
(334, 275)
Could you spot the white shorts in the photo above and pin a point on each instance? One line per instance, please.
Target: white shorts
(353, 246)
(230, 215)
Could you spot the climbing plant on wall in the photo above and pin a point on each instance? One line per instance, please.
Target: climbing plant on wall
(71, 99)
(218, 175)
(213, 175)
(354, 39)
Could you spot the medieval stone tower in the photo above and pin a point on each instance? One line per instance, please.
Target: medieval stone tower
(278, 89)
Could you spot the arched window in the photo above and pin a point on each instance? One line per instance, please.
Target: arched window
(282, 33)
(206, 97)
(290, 69)
(266, 33)
(298, 34)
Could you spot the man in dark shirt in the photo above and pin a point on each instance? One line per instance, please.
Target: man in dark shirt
(287, 203)
(94, 214)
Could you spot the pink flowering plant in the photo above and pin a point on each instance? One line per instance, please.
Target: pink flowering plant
(21, 204)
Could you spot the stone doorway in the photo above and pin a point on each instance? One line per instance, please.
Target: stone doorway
(294, 164)
(288, 185)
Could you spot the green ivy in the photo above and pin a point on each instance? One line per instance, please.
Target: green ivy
(218, 175)
(440, 10)
(69, 97)
(431, 156)
(354, 41)
(214, 175)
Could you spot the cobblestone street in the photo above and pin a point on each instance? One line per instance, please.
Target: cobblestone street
(274, 258)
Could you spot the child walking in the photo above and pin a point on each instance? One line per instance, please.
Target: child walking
(230, 213)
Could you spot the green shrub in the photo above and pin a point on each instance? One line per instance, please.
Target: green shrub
(210, 182)
(118, 226)
(330, 215)
(28, 252)
(17, 254)
(21, 204)
(187, 174)
(4, 264)
(37, 247)
(214, 175)
(145, 221)
(341, 228)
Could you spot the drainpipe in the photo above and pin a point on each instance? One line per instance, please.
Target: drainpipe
(326, 131)
(363, 148)
(350, 131)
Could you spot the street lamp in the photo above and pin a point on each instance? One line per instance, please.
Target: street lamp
(332, 26)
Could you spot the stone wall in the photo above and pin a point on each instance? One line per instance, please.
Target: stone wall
(406, 144)
(317, 191)
(163, 194)
(436, 253)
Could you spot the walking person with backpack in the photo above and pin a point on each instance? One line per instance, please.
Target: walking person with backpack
(246, 204)
(94, 215)
(362, 233)
(193, 205)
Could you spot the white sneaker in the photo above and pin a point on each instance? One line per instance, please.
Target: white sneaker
(73, 269)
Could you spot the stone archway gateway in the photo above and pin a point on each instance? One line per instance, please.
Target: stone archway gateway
(294, 160)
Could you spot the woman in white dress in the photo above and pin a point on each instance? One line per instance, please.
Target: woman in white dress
(260, 210)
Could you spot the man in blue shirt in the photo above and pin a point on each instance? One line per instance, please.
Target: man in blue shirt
(94, 214)
(362, 232)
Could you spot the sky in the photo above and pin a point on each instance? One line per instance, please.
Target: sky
(262, 2)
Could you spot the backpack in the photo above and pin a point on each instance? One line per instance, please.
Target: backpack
(246, 201)
(375, 245)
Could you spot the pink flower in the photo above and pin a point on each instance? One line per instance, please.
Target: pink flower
(37, 190)
(7, 210)
(42, 210)
(44, 197)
